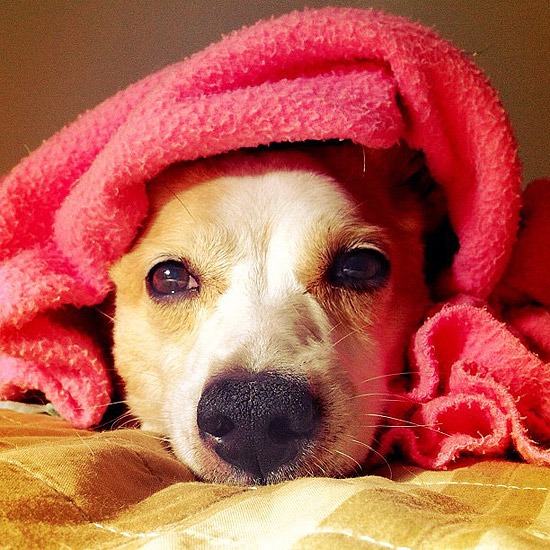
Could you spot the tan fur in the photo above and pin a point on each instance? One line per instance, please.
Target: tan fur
(259, 231)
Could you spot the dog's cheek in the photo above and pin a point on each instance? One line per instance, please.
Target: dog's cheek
(364, 364)
(142, 381)
(150, 347)
(190, 360)
(345, 369)
(363, 328)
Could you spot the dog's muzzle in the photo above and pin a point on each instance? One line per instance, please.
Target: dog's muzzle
(258, 423)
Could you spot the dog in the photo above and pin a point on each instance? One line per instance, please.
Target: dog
(268, 302)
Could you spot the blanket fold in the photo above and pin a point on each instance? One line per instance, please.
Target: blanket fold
(478, 390)
(75, 205)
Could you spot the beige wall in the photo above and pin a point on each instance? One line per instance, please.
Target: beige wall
(59, 58)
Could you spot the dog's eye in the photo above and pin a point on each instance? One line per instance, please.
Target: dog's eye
(359, 269)
(170, 278)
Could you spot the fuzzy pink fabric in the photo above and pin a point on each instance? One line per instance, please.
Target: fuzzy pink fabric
(74, 206)
(477, 391)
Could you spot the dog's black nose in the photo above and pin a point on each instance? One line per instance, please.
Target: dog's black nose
(258, 422)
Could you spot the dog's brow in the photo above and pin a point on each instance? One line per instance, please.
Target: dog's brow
(353, 208)
(175, 195)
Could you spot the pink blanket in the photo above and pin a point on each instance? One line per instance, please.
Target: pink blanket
(481, 384)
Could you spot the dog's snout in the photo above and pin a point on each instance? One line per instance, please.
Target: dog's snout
(258, 422)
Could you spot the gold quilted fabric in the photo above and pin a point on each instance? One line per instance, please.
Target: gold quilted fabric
(72, 489)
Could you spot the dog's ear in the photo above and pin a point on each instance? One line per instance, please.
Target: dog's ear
(357, 167)
(440, 241)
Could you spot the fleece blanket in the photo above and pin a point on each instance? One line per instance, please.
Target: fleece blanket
(480, 383)
(67, 488)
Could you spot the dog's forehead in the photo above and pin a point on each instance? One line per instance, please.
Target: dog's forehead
(283, 199)
(279, 204)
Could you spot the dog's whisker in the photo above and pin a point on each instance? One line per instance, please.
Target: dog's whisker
(99, 310)
(156, 437)
(107, 425)
(408, 426)
(177, 197)
(310, 330)
(390, 395)
(318, 465)
(347, 335)
(108, 403)
(400, 401)
(120, 402)
(388, 417)
(336, 326)
(129, 416)
(336, 467)
(348, 457)
(101, 405)
(127, 421)
(391, 375)
(408, 423)
(84, 442)
(376, 426)
(311, 467)
(373, 450)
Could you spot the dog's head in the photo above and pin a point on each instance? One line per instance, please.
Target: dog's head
(266, 304)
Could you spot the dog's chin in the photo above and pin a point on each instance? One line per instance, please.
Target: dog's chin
(315, 462)
(218, 471)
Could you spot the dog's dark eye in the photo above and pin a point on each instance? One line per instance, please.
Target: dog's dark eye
(170, 278)
(359, 269)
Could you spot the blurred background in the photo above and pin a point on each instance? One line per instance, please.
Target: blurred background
(60, 57)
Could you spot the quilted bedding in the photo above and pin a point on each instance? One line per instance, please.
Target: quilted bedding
(67, 488)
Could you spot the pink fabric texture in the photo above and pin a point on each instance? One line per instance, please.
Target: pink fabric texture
(75, 204)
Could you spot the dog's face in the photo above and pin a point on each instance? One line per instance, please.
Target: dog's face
(263, 309)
